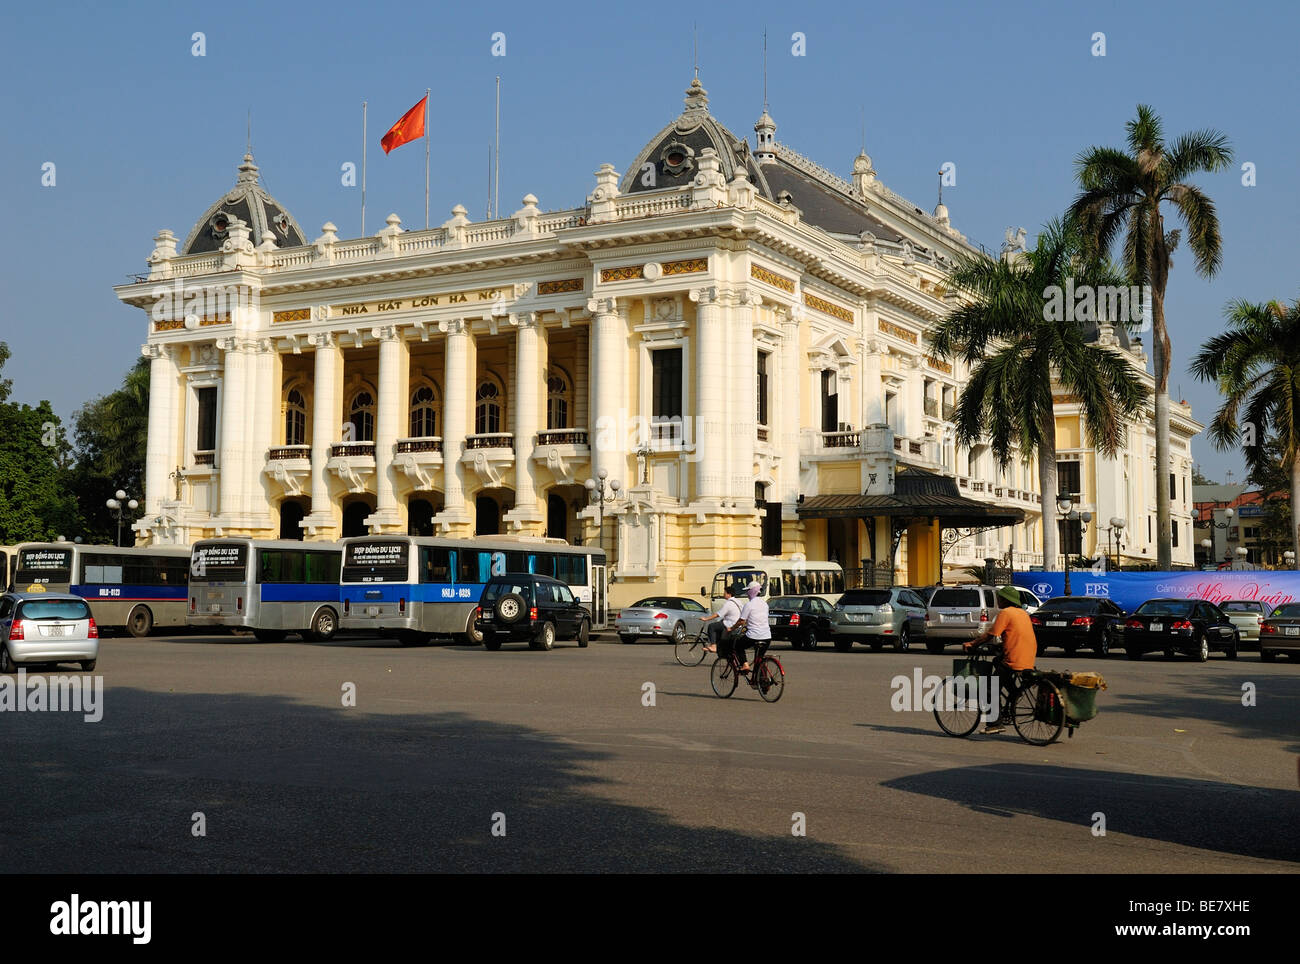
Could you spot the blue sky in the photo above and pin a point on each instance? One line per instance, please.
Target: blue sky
(144, 135)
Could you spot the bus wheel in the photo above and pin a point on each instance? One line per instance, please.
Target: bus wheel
(140, 622)
(325, 626)
(473, 636)
(270, 635)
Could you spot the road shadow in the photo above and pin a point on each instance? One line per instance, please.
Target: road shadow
(284, 786)
(1247, 821)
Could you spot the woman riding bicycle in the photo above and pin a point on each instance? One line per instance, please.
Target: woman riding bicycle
(1018, 649)
(754, 621)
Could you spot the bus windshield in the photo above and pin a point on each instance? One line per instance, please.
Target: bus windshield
(43, 566)
(219, 562)
(736, 580)
(376, 562)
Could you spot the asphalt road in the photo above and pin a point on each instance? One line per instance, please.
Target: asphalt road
(583, 776)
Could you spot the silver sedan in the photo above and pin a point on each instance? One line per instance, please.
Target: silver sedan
(670, 618)
(46, 628)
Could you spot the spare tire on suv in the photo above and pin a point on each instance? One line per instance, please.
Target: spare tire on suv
(510, 608)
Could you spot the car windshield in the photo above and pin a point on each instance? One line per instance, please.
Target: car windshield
(864, 597)
(1290, 609)
(54, 609)
(656, 602)
(1242, 606)
(1165, 607)
(1068, 606)
(788, 602)
(736, 580)
(959, 598)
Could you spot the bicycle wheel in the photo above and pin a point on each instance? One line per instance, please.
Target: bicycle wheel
(957, 706)
(1038, 712)
(723, 677)
(771, 679)
(690, 650)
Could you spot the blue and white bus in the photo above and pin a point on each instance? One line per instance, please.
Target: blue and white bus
(415, 587)
(136, 589)
(272, 586)
(8, 563)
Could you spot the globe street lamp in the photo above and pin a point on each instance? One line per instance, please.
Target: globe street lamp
(596, 494)
(118, 506)
(1209, 523)
(1066, 506)
(1207, 545)
(1288, 558)
(1115, 530)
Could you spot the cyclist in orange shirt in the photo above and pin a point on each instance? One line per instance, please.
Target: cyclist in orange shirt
(1019, 645)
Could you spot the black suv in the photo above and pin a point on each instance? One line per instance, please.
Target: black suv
(538, 610)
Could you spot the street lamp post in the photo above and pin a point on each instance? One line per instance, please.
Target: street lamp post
(117, 505)
(1114, 537)
(1066, 506)
(596, 493)
(1207, 545)
(1211, 524)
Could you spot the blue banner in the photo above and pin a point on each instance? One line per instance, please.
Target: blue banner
(1128, 590)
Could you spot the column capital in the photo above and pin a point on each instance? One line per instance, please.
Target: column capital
(385, 333)
(526, 319)
(229, 344)
(323, 340)
(152, 351)
(453, 326)
(706, 296)
(602, 306)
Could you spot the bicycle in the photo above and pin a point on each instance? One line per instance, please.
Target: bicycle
(766, 675)
(1035, 704)
(689, 650)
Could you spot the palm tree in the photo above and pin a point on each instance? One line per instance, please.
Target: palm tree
(1014, 349)
(1256, 363)
(1122, 193)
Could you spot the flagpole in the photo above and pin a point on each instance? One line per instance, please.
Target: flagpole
(496, 164)
(363, 169)
(426, 158)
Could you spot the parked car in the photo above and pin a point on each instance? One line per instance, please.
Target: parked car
(1247, 615)
(46, 627)
(958, 613)
(1280, 633)
(872, 616)
(803, 620)
(1189, 626)
(671, 618)
(1078, 622)
(1029, 602)
(538, 610)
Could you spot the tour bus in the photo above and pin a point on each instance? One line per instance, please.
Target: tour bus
(780, 577)
(272, 586)
(8, 562)
(129, 588)
(415, 587)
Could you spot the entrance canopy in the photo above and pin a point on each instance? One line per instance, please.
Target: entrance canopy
(918, 496)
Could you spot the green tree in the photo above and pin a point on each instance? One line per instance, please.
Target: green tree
(36, 503)
(1122, 194)
(1014, 348)
(111, 436)
(1256, 364)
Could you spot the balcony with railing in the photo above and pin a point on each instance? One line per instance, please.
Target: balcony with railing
(419, 446)
(285, 453)
(562, 436)
(354, 464)
(290, 467)
(419, 459)
(562, 450)
(205, 457)
(841, 440)
(491, 440)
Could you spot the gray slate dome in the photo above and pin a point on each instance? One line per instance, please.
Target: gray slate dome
(264, 215)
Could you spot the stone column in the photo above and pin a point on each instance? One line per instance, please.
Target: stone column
(232, 447)
(529, 393)
(394, 381)
(608, 348)
(873, 394)
(787, 419)
(710, 415)
(326, 427)
(911, 399)
(164, 410)
(742, 400)
(456, 407)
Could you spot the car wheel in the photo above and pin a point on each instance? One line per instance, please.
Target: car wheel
(584, 634)
(7, 664)
(679, 633)
(545, 638)
(472, 635)
(903, 641)
(140, 623)
(325, 626)
(1203, 652)
(270, 635)
(491, 642)
(627, 640)
(88, 665)
(1104, 642)
(1265, 656)
(843, 644)
(810, 641)
(510, 608)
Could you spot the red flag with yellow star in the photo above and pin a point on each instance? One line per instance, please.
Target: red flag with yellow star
(409, 128)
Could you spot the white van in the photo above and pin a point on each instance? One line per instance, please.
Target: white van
(779, 577)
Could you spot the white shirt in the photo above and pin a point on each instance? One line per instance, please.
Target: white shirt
(729, 613)
(754, 613)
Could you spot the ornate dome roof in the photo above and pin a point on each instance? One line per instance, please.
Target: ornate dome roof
(671, 159)
(264, 215)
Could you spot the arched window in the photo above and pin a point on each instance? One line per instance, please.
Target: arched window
(558, 399)
(295, 419)
(424, 412)
(363, 417)
(487, 408)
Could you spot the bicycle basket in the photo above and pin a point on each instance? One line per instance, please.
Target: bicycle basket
(1080, 702)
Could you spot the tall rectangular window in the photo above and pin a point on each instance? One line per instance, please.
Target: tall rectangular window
(666, 392)
(207, 435)
(1173, 486)
(762, 387)
(1068, 478)
(830, 402)
(1175, 535)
